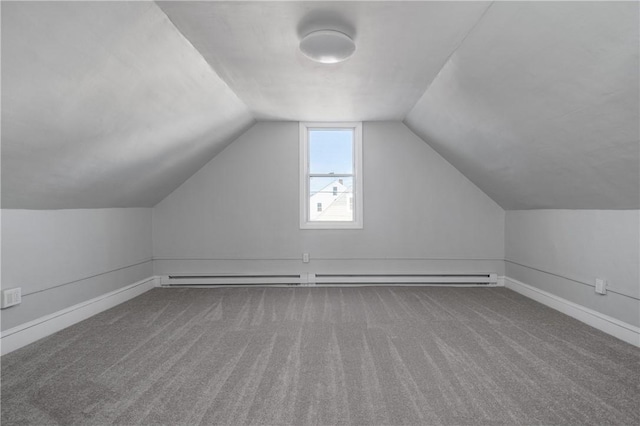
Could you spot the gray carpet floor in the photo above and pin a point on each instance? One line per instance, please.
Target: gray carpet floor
(368, 355)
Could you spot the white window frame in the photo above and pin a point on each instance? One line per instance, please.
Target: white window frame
(357, 222)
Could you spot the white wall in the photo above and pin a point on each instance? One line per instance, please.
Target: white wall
(64, 257)
(563, 251)
(240, 212)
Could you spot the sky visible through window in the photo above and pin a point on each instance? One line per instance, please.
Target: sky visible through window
(330, 151)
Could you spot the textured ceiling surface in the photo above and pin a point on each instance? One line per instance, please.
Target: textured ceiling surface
(401, 46)
(115, 104)
(105, 104)
(539, 106)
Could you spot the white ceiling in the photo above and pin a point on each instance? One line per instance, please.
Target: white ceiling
(253, 46)
(539, 106)
(115, 104)
(105, 104)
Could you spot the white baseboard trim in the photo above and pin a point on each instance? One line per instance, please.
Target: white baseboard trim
(29, 332)
(620, 329)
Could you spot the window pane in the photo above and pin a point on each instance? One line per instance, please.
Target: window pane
(331, 199)
(331, 151)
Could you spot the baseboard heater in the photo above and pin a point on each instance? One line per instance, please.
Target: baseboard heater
(308, 279)
(229, 279)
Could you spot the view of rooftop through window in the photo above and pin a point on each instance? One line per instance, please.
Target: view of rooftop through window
(331, 174)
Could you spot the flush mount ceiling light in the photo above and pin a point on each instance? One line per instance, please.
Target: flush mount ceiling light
(327, 46)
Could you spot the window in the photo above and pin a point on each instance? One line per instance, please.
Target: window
(331, 175)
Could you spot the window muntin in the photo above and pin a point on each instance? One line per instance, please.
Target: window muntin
(331, 175)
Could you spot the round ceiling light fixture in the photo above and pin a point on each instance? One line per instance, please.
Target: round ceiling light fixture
(327, 46)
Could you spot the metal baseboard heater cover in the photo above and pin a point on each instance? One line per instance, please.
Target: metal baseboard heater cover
(309, 279)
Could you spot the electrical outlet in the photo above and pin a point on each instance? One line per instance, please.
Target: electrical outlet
(11, 297)
(601, 286)
(305, 257)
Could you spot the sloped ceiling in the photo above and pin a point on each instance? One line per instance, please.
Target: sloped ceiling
(539, 106)
(115, 104)
(105, 104)
(401, 46)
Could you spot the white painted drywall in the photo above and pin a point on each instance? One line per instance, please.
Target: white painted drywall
(105, 104)
(115, 104)
(563, 251)
(253, 46)
(539, 105)
(241, 212)
(64, 257)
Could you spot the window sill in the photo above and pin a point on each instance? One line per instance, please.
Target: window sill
(331, 225)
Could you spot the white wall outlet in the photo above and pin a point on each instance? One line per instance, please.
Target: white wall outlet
(601, 286)
(11, 297)
(305, 257)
